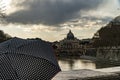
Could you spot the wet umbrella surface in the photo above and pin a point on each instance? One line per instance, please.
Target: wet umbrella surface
(27, 59)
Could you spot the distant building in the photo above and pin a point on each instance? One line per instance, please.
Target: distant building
(69, 45)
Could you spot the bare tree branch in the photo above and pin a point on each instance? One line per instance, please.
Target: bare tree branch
(2, 9)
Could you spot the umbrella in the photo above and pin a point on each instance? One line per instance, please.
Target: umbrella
(27, 59)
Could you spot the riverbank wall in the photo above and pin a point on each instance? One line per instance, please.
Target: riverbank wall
(110, 53)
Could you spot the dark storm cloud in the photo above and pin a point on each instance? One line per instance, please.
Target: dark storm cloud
(51, 12)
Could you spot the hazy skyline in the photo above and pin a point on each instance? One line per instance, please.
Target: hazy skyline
(52, 19)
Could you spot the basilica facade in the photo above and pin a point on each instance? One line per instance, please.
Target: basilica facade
(70, 45)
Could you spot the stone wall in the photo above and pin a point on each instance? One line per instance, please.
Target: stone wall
(110, 53)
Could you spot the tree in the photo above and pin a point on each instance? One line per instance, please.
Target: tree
(108, 35)
(4, 36)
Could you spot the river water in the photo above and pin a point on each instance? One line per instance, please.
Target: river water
(77, 63)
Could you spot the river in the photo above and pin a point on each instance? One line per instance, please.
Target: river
(77, 63)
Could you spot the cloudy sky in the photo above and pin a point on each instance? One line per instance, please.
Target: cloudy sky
(52, 19)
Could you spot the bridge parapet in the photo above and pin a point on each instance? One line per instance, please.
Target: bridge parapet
(96, 74)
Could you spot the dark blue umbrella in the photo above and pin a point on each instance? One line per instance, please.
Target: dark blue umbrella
(27, 59)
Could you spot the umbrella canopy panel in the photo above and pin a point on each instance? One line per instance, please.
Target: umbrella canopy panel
(6, 69)
(29, 67)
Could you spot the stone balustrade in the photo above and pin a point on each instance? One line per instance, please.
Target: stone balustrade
(96, 74)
